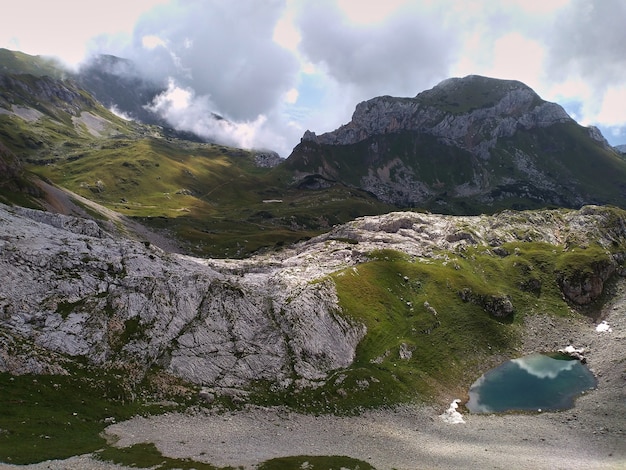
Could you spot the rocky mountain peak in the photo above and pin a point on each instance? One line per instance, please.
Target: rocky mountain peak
(476, 88)
(478, 138)
(471, 112)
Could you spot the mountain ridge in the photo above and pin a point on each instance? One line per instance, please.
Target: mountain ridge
(467, 146)
(493, 140)
(305, 291)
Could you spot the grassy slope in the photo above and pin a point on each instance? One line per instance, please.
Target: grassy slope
(210, 196)
(56, 416)
(473, 93)
(18, 62)
(575, 162)
(394, 296)
(451, 348)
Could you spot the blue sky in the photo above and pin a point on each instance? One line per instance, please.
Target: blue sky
(276, 68)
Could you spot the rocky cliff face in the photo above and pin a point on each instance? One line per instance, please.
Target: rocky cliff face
(73, 290)
(464, 146)
(477, 130)
(53, 95)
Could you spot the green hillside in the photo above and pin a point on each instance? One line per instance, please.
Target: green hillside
(216, 201)
(213, 199)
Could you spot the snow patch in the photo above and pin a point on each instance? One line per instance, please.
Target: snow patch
(603, 327)
(451, 415)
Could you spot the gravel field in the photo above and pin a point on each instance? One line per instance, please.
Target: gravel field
(590, 436)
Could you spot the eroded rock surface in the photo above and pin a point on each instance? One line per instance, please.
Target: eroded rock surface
(71, 289)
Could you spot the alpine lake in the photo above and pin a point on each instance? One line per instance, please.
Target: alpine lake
(537, 382)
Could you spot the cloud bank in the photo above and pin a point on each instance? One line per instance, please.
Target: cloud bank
(275, 68)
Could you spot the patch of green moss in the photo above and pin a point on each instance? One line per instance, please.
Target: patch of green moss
(148, 456)
(65, 308)
(313, 462)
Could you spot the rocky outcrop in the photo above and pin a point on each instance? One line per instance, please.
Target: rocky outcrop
(71, 289)
(499, 306)
(464, 146)
(51, 93)
(476, 130)
(586, 285)
(267, 159)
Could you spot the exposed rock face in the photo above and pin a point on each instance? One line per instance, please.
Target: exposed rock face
(63, 95)
(499, 306)
(71, 289)
(267, 159)
(476, 130)
(584, 288)
(470, 141)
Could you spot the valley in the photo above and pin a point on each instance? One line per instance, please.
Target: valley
(157, 288)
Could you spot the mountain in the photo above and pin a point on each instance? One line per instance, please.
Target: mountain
(468, 145)
(15, 62)
(75, 290)
(214, 199)
(168, 273)
(117, 84)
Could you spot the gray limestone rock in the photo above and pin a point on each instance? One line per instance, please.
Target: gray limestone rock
(72, 289)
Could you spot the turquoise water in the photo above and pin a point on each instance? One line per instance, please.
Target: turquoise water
(535, 382)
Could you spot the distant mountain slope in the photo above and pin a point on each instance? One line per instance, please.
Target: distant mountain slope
(215, 200)
(117, 84)
(15, 62)
(468, 145)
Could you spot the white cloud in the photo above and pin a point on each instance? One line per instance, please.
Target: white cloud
(291, 96)
(63, 28)
(518, 57)
(543, 367)
(150, 41)
(367, 12)
(120, 114)
(305, 65)
(613, 108)
(174, 98)
(184, 110)
(285, 32)
(542, 7)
